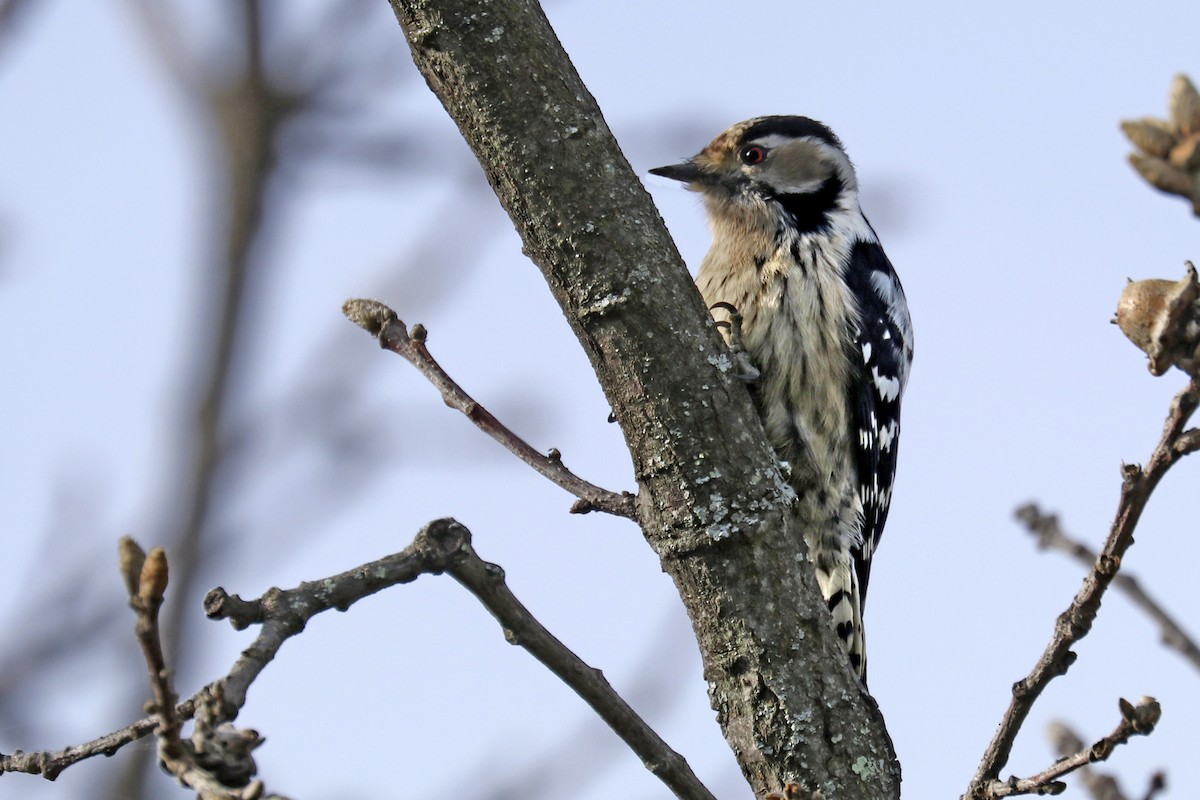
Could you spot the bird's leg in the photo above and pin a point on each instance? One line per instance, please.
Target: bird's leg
(744, 368)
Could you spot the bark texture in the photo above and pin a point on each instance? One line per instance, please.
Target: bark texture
(711, 500)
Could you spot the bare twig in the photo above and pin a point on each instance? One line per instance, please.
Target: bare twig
(381, 321)
(1099, 785)
(1158, 784)
(486, 582)
(216, 762)
(1136, 720)
(50, 764)
(441, 546)
(1076, 621)
(1050, 535)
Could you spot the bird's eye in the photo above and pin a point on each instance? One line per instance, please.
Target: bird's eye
(753, 155)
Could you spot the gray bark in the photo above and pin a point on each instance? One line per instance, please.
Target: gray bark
(711, 500)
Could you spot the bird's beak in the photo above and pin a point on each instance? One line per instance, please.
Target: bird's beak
(687, 172)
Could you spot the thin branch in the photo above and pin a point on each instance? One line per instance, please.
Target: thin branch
(381, 321)
(1136, 720)
(1097, 784)
(486, 582)
(1158, 785)
(1076, 621)
(442, 546)
(164, 34)
(217, 761)
(1049, 533)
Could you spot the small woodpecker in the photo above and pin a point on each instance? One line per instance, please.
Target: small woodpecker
(800, 286)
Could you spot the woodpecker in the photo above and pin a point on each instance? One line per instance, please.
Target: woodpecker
(797, 281)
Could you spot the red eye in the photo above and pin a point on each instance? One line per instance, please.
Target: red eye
(753, 155)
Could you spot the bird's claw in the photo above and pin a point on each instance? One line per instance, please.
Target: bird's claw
(744, 369)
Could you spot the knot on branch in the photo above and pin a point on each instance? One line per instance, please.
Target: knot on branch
(219, 604)
(442, 542)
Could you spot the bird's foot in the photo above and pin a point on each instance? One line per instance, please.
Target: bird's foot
(744, 369)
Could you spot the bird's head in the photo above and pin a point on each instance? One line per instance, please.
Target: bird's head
(796, 163)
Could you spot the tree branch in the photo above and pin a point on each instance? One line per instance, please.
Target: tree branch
(217, 761)
(1076, 621)
(1098, 785)
(486, 582)
(1136, 720)
(711, 500)
(382, 322)
(1049, 533)
(442, 546)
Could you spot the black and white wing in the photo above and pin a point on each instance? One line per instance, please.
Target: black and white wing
(885, 348)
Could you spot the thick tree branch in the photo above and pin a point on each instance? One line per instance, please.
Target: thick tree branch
(711, 500)
(384, 324)
(1049, 533)
(1076, 621)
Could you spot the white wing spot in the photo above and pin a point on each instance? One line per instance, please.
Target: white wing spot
(888, 387)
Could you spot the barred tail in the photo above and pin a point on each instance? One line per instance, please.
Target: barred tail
(839, 587)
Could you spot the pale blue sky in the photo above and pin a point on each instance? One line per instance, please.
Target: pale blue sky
(987, 145)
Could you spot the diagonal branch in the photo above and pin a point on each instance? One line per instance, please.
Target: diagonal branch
(1136, 720)
(381, 321)
(1049, 533)
(486, 582)
(1076, 621)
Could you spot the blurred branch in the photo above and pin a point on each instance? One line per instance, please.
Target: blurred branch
(1049, 533)
(1076, 621)
(11, 12)
(162, 32)
(382, 322)
(1099, 785)
(249, 113)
